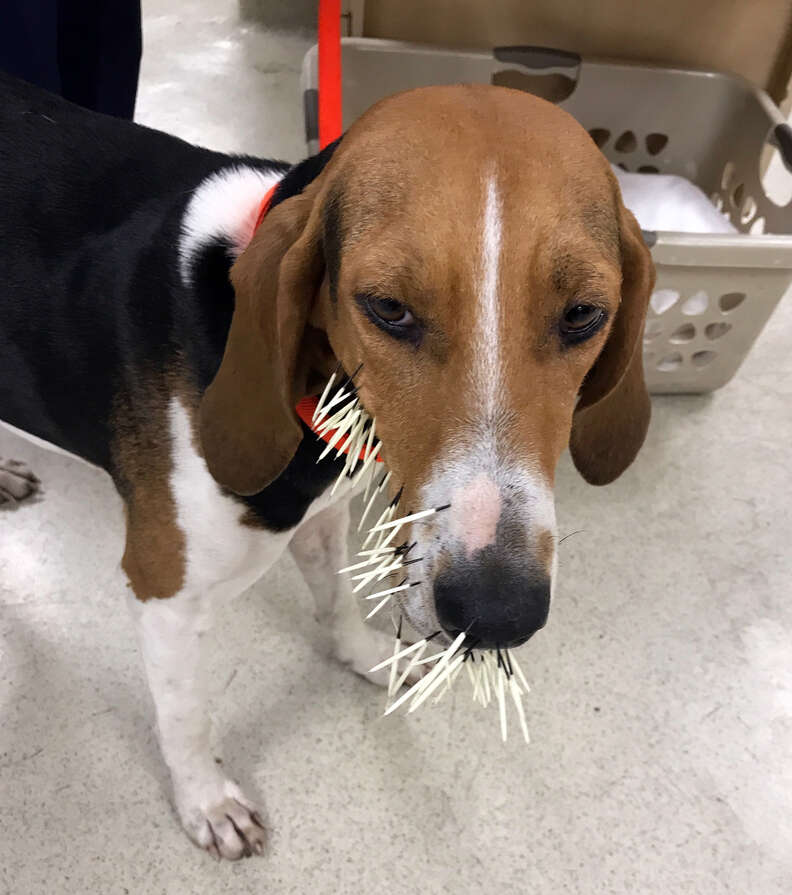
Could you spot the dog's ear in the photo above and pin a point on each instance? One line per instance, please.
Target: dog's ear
(249, 430)
(613, 410)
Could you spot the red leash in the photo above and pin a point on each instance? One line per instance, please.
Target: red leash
(330, 117)
(329, 40)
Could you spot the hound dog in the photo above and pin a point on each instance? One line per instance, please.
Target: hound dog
(466, 245)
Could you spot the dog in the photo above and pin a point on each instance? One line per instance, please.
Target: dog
(465, 248)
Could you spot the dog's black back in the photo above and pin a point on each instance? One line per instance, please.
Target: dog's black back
(94, 313)
(90, 210)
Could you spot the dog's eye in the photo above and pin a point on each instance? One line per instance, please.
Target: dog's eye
(390, 311)
(391, 316)
(581, 321)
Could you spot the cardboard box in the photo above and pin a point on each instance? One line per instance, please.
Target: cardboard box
(752, 38)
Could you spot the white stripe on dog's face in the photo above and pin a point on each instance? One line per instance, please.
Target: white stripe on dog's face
(488, 324)
(500, 503)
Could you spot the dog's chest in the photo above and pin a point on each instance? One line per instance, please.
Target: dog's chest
(236, 540)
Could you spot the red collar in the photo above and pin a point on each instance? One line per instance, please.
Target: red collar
(265, 205)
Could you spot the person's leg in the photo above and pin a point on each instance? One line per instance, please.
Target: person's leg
(29, 42)
(99, 49)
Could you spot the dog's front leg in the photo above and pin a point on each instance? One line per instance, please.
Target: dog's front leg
(319, 547)
(215, 813)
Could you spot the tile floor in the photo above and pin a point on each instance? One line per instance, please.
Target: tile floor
(662, 703)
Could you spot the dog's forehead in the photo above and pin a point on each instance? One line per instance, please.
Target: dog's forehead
(427, 156)
(464, 118)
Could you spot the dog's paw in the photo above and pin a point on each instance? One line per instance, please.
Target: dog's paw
(16, 482)
(361, 648)
(219, 818)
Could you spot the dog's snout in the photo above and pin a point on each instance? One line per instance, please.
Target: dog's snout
(496, 602)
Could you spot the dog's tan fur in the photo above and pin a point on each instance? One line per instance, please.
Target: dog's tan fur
(154, 551)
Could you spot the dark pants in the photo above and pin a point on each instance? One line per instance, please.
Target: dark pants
(88, 51)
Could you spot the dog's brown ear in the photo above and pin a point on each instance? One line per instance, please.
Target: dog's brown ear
(613, 410)
(248, 427)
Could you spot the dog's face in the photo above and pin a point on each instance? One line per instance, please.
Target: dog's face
(468, 247)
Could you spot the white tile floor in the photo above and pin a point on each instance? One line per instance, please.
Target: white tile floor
(662, 702)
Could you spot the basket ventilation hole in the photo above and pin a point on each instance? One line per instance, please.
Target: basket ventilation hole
(702, 358)
(737, 195)
(599, 135)
(727, 176)
(684, 333)
(652, 330)
(664, 299)
(758, 227)
(656, 143)
(670, 362)
(623, 166)
(626, 142)
(716, 330)
(696, 304)
(648, 169)
(730, 301)
(749, 209)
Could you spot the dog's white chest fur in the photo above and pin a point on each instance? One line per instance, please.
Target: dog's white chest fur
(218, 545)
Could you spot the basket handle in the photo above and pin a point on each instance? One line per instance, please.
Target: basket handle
(543, 71)
(537, 57)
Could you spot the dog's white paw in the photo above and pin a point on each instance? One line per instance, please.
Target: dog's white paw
(363, 647)
(218, 817)
(16, 482)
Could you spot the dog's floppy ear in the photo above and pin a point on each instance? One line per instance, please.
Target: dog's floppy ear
(248, 427)
(613, 410)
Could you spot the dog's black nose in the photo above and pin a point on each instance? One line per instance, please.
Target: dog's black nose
(496, 603)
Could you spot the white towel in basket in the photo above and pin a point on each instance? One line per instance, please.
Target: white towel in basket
(668, 202)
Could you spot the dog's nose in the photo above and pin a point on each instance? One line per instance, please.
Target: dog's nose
(495, 602)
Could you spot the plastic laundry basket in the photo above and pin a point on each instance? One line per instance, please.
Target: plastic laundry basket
(715, 292)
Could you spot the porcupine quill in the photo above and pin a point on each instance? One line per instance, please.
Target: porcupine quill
(342, 421)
